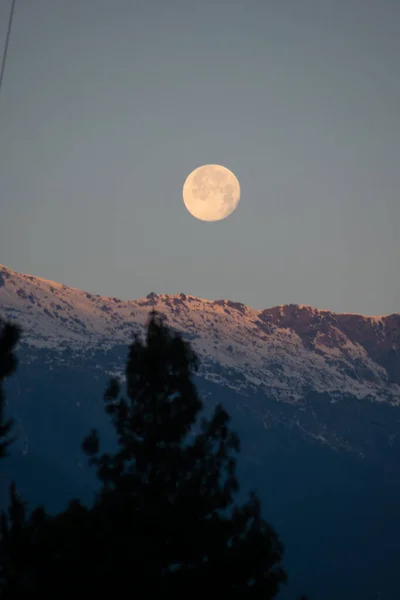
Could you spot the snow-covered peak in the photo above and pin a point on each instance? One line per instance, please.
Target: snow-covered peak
(286, 350)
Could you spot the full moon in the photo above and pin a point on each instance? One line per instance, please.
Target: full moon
(211, 193)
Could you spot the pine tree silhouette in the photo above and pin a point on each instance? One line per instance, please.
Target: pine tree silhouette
(165, 518)
(11, 525)
(172, 489)
(9, 336)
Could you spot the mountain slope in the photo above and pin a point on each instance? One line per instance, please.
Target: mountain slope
(314, 396)
(285, 351)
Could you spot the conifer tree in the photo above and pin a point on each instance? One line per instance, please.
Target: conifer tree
(165, 519)
(10, 524)
(9, 336)
(172, 488)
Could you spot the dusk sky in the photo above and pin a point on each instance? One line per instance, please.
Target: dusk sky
(108, 105)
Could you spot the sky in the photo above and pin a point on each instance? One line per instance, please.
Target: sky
(106, 107)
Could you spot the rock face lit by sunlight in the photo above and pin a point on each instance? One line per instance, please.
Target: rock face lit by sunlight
(319, 350)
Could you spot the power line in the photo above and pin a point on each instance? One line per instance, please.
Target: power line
(3, 61)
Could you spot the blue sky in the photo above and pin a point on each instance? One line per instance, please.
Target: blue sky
(107, 106)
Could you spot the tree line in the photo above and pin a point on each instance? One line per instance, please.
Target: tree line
(165, 518)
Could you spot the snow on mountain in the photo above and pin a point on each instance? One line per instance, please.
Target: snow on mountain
(286, 350)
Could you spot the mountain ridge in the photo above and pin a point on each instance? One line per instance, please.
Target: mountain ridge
(6, 272)
(286, 350)
(312, 395)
